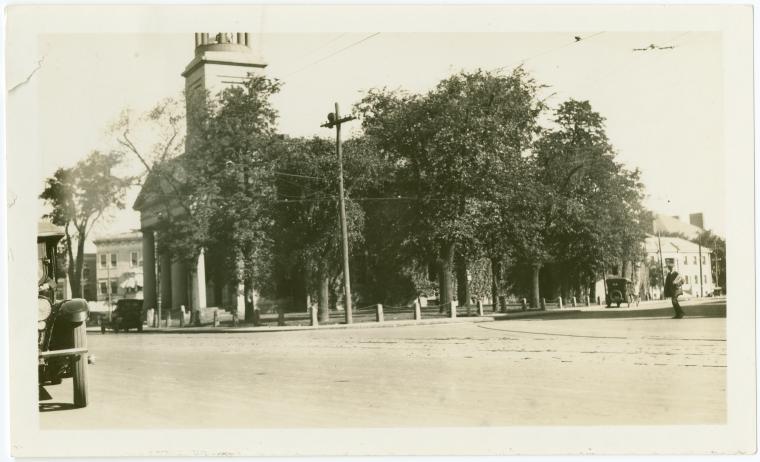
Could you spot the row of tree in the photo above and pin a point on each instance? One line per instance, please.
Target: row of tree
(473, 188)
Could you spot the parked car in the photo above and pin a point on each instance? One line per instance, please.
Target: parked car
(61, 329)
(620, 290)
(127, 315)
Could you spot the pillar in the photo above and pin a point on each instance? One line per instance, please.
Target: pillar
(198, 283)
(149, 270)
(179, 285)
(165, 266)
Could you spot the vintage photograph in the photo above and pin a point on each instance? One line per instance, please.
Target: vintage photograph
(260, 229)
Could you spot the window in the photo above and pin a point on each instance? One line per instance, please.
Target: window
(113, 260)
(686, 260)
(103, 258)
(704, 260)
(695, 260)
(114, 287)
(686, 279)
(103, 288)
(135, 259)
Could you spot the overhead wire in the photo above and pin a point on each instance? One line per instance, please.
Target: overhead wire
(349, 46)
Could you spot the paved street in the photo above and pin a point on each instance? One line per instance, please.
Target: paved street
(596, 371)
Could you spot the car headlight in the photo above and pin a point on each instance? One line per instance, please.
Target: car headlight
(44, 308)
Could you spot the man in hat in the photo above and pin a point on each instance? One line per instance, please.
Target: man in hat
(673, 283)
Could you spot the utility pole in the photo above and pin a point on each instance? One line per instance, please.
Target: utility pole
(334, 120)
(701, 289)
(662, 266)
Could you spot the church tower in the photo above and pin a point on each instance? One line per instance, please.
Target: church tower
(220, 60)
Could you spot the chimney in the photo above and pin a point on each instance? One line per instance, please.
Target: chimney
(697, 219)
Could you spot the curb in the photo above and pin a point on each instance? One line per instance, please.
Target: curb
(364, 325)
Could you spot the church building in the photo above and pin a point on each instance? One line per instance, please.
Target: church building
(220, 60)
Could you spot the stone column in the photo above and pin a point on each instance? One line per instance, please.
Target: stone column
(149, 270)
(165, 267)
(198, 283)
(179, 285)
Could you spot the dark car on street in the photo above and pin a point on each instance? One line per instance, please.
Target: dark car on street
(127, 315)
(620, 290)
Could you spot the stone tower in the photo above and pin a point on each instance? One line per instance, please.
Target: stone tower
(221, 60)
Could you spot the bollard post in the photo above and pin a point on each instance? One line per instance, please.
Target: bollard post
(574, 303)
(543, 303)
(168, 319)
(588, 302)
(598, 300)
(453, 312)
(314, 320)
(380, 317)
(280, 316)
(216, 318)
(235, 320)
(417, 311)
(480, 308)
(559, 300)
(182, 316)
(524, 304)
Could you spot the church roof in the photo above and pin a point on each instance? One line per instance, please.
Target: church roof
(155, 187)
(668, 224)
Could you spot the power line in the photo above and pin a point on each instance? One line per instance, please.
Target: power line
(358, 42)
(576, 39)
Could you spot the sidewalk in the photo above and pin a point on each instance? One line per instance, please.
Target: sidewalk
(356, 325)
(700, 307)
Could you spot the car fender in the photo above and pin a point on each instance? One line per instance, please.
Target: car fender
(75, 310)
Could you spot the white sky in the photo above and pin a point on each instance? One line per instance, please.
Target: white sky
(664, 108)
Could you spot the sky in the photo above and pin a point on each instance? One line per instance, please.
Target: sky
(663, 107)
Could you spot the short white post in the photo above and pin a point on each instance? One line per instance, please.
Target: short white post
(480, 308)
(417, 311)
(588, 301)
(543, 303)
(216, 318)
(169, 319)
(453, 312)
(559, 301)
(182, 316)
(524, 304)
(574, 304)
(380, 317)
(314, 319)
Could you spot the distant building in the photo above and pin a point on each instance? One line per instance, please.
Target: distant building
(89, 277)
(691, 260)
(118, 266)
(665, 224)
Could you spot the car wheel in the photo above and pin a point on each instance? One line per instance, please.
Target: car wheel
(79, 366)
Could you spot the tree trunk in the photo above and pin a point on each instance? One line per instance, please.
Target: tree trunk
(495, 279)
(536, 290)
(444, 273)
(324, 295)
(463, 285)
(248, 296)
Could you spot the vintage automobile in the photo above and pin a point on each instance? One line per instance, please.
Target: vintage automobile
(127, 315)
(620, 290)
(61, 329)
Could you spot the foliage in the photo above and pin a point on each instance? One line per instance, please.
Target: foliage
(79, 197)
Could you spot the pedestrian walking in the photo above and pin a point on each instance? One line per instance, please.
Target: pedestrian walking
(673, 283)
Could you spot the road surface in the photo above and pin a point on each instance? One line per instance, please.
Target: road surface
(631, 371)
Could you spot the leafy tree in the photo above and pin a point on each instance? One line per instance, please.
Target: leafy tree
(453, 146)
(79, 196)
(592, 205)
(227, 174)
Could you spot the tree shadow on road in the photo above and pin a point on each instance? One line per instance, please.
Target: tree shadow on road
(697, 311)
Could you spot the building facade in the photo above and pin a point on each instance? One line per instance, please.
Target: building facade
(118, 267)
(692, 261)
(220, 60)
